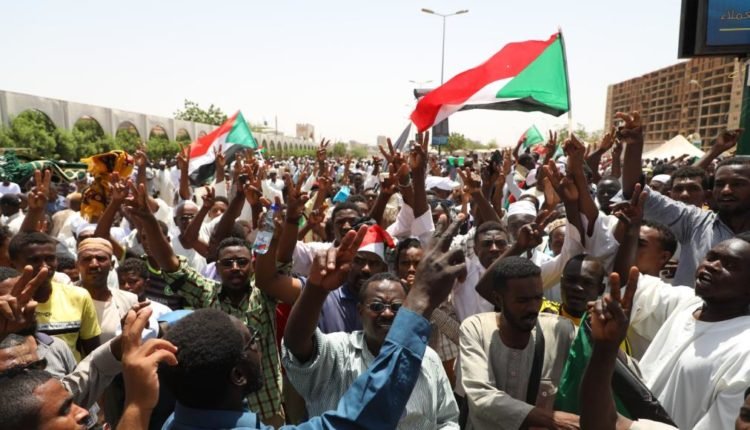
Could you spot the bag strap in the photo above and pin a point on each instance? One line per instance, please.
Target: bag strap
(536, 367)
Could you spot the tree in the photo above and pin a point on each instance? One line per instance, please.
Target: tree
(193, 112)
(66, 145)
(90, 138)
(457, 141)
(339, 149)
(580, 132)
(128, 140)
(32, 129)
(159, 147)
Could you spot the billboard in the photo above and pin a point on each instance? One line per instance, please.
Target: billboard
(728, 22)
(714, 27)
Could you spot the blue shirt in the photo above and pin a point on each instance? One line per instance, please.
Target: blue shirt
(339, 312)
(375, 401)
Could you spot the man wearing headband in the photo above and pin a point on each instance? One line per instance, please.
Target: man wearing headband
(94, 264)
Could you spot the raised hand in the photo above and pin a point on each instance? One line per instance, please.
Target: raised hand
(39, 194)
(17, 307)
(437, 272)
(183, 157)
(727, 140)
(419, 154)
(564, 186)
(296, 199)
(530, 235)
(394, 157)
(507, 161)
(551, 146)
(611, 313)
(221, 163)
(330, 268)
(140, 157)
(575, 151)
(140, 362)
(137, 205)
(472, 184)
(320, 155)
(608, 140)
(631, 212)
(209, 198)
(119, 189)
(632, 129)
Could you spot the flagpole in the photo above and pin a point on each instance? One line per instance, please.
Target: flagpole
(567, 81)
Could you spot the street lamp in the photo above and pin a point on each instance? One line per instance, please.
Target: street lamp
(700, 106)
(444, 16)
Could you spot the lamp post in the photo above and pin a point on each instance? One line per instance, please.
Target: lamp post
(700, 107)
(444, 16)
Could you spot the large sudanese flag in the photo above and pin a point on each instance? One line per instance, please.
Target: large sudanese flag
(232, 136)
(523, 76)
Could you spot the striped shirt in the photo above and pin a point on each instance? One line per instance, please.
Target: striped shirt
(257, 309)
(339, 358)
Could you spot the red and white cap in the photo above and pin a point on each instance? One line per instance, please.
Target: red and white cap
(376, 240)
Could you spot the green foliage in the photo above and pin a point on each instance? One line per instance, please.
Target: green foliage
(90, 138)
(581, 133)
(457, 141)
(339, 149)
(66, 145)
(193, 112)
(183, 138)
(359, 152)
(127, 140)
(31, 129)
(159, 147)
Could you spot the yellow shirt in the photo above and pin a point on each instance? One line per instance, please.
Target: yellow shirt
(69, 314)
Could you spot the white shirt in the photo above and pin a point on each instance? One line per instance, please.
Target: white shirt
(11, 188)
(340, 358)
(14, 222)
(698, 370)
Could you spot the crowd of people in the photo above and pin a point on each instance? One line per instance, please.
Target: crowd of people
(570, 286)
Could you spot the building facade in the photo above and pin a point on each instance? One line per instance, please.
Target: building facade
(676, 99)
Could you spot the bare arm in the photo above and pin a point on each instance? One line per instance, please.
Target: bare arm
(629, 215)
(473, 186)
(160, 248)
(268, 279)
(328, 272)
(118, 194)
(183, 164)
(190, 239)
(418, 163)
(575, 150)
(632, 135)
(724, 142)
(37, 201)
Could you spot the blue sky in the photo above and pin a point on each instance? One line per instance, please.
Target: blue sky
(343, 66)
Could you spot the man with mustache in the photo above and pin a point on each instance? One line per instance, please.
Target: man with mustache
(321, 367)
(696, 230)
(340, 310)
(511, 362)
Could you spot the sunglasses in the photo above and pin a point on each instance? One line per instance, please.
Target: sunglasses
(441, 202)
(380, 306)
(229, 262)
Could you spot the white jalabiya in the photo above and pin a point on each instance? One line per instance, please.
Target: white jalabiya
(699, 371)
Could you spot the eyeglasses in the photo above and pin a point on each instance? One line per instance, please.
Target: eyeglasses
(229, 262)
(380, 306)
